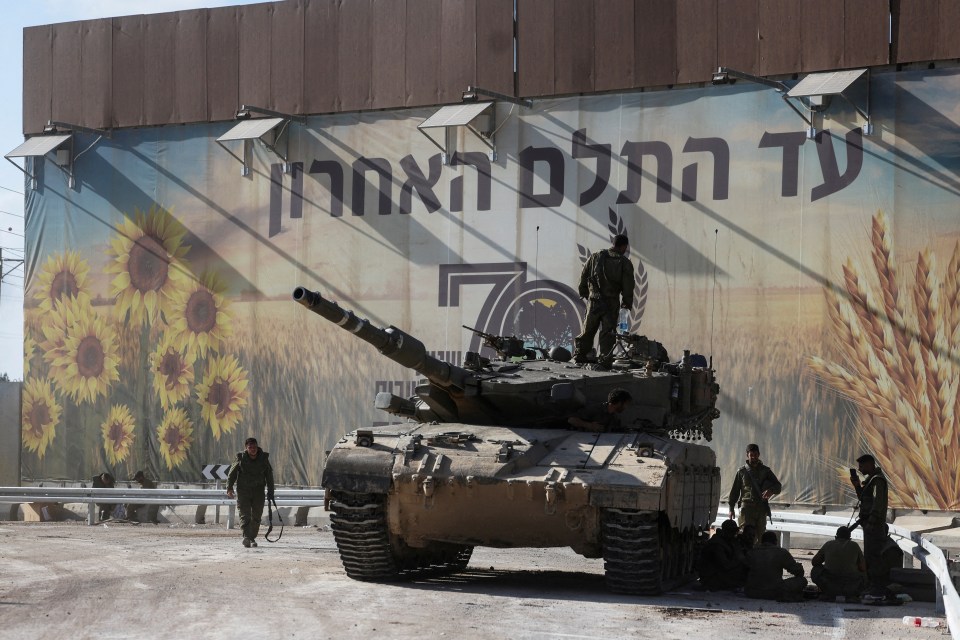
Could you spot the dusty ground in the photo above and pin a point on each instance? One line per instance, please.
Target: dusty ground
(70, 580)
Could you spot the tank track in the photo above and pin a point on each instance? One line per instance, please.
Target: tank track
(643, 556)
(370, 553)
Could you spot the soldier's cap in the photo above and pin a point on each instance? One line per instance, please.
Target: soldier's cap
(138, 475)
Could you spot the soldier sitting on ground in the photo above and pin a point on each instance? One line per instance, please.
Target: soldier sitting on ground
(747, 537)
(766, 563)
(721, 565)
(104, 481)
(152, 509)
(839, 568)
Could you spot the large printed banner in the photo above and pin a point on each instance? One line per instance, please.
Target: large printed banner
(820, 274)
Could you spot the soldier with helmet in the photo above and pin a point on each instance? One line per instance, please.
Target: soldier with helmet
(607, 283)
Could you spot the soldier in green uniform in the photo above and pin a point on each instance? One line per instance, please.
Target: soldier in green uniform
(766, 563)
(753, 486)
(606, 282)
(253, 476)
(604, 416)
(873, 518)
(839, 568)
(721, 565)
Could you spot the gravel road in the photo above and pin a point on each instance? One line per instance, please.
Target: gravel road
(70, 580)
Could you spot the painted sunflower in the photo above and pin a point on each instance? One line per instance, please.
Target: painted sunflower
(175, 434)
(54, 327)
(201, 319)
(63, 277)
(87, 362)
(172, 373)
(29, 346)
(41, 414)
(117, 432)
(223, 394)
(148, 260)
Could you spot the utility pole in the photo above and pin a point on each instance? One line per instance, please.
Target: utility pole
(4, 272)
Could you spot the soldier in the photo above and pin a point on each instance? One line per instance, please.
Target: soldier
(252, 474)
(839, 568)
(152, 509)
(753, 486)
(606, 282)
(873, 518)
(766, 563)
(721, 564)
(604, 416)
(104, 481)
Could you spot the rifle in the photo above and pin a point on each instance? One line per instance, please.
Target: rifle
(506, 346)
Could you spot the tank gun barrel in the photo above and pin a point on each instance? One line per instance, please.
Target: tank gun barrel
(393, 343)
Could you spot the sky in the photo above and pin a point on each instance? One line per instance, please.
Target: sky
(18, 15)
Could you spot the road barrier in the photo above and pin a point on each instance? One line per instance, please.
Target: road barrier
(910, 542)
(161, 496)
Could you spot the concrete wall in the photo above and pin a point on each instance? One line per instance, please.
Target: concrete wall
(10, 433)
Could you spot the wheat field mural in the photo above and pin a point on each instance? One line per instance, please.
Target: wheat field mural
(898, 340)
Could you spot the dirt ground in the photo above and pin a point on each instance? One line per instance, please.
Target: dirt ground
(71, 580)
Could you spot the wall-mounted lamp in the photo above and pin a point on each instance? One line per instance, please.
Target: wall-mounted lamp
(57, 137)
(272, 131)
(478, 117)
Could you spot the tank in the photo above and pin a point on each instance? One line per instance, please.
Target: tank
(483, 455)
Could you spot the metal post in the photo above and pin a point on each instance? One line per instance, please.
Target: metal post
(91, 512)
(230, 513)
(217, 520)
(938, 608)
(785, 540)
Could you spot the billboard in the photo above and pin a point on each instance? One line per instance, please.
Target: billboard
(820, 275)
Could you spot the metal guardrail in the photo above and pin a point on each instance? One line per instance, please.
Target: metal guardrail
(910, 542)
(162, 496)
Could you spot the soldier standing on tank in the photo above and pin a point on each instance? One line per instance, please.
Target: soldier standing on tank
(872, 494)
(766, 563)
(606, 282)
(252, 474)
(753, 486)
(604, 416)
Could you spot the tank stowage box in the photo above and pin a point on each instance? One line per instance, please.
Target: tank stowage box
(487, 457)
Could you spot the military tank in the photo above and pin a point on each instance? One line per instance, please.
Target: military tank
(485, 456)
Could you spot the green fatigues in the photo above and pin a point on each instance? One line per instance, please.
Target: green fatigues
(873, 519)
(721, 564)
(254, 480)
(606, 278)
(753, 509)
(598, 413)
(765, 566)
(836, 569)
(152, 509)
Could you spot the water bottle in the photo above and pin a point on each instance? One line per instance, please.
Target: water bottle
(623, 321)
(917, 621)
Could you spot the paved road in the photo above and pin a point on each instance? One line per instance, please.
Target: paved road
(70, 580)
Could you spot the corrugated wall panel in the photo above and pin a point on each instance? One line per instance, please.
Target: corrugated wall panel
(866, 39)
(494, 69)
(96, 73)
(916, 29)
(66, 88)
(613, 45)
(354, 75)
(423, 52)
(696, 40)
(573, 46)
(127, 89)
(223, 60)
(37, 67)
(159, 96)
(655, 43)
(779, 37)
(254, 28)
(458, 48)
(320, 57)
(389, 53)
(190, 60)
(821, 34)
(535, 56)
(738, 46)
(286, 57)
(948, 42)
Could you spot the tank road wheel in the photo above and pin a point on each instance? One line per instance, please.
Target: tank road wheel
(631, 551)
(359, 525)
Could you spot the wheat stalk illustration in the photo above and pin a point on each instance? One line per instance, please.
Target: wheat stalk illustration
(898, 363)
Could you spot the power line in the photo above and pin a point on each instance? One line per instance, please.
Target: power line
(11, 213)
(13, 233)
(9, 189)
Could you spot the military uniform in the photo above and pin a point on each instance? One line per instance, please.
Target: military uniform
(765, 566)
(607, 281)
(873, 519)
(753, 508)
(600, 414)
(152, 509)
(721, 564)
(105, 509)
(836, 569)
(253, 478)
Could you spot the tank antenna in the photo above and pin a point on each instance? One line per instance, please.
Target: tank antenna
(713, 310)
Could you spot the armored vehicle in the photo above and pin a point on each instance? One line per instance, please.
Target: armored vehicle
(487, 457)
